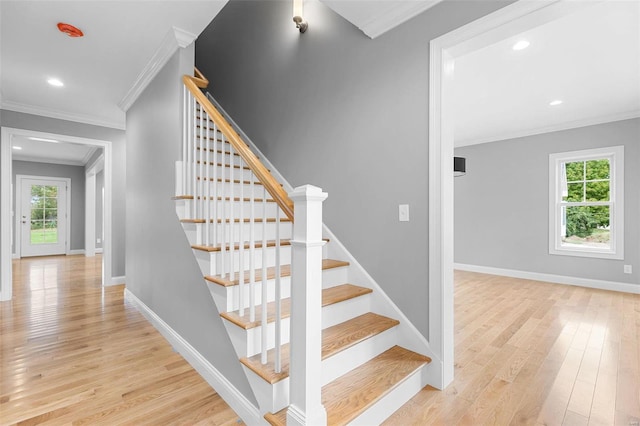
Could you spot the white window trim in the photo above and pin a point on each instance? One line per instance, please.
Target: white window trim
(616, 156)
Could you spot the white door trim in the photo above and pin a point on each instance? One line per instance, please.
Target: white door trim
(506, 22)
(90, 206)
(18, 197)
(6, 203)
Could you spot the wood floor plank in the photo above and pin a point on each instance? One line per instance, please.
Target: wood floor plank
(73, 352)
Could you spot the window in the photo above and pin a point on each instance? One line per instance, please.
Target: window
(586, 197)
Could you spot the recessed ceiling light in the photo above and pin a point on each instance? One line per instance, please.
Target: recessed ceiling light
(43, 140)
(17, 147)
(522, 44)
(555, 102)
(55, 82)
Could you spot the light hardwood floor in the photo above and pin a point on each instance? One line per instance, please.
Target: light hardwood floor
(534, 353)
(74, 353)
(526, 353)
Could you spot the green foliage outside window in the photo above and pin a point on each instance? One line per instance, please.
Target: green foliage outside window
(587, 181)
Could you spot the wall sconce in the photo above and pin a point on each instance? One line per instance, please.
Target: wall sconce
(459, 166)
(301, 24)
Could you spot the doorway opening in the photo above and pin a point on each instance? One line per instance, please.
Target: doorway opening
(504, 23)
(9, 211)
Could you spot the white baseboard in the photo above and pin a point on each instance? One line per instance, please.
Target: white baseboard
(248, 412)
(15, 256)
(557, 279)
(116, 281)
(76, 251)
(98, 251)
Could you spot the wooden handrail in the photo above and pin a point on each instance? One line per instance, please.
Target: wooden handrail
(194, 84)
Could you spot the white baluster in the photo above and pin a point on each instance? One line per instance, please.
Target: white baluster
(231, 213)
(264, 334)
(278, 296)
(185, 139)
(214, 162)
(223, 214)
(193, 159)
(241, 239)
(207, 194)
(252, 254)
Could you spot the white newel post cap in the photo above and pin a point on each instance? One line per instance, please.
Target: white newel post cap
(308, 193)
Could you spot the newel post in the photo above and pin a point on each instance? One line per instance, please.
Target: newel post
(305, 378)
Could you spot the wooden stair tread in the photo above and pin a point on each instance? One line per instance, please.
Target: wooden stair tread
(219, 151)
(285, 271)
(237, 220)
(350, 395)
(330, 296)
(334, 340)
(236, 246)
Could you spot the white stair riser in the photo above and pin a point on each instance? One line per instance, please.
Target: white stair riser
(345, 361)
(271, 398)
(345, 310)
(213, 263)
(196, 232)
(224, 189)
(392, 401)
(228, 298)
(248, 342)
(221, 170)
(245, 208)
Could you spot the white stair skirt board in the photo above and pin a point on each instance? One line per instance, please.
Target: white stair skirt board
(248, 412)
(556, 279)
(395, 399)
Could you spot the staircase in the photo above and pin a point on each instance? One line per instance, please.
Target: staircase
(240, 223)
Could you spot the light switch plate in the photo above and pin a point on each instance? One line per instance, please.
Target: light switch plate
(628, 269)
(403, 212)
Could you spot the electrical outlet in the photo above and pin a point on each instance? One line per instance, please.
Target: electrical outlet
(98, 241)
(403, 212)
(628, 269)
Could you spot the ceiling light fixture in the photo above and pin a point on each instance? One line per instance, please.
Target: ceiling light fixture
(43, 140)
(70, 30)
(301, 24)
(521, 45)
(17, 148)
(55, 82)
(555, 103)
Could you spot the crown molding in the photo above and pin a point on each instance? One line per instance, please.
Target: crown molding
(26, 158)
(375, 18)
(62, 115)
(176, 38)
(400, 13)
(548, 129)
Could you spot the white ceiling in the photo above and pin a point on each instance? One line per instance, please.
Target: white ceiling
(58, 152)
(120, 38)
(589, 59)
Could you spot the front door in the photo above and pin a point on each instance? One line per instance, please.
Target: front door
(43, 218)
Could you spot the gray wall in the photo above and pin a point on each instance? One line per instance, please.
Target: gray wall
(338, 110)
(161, 269)
(76, 174)
(117, 137)
(502, 204)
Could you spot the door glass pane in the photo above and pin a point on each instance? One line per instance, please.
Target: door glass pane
(44, 214)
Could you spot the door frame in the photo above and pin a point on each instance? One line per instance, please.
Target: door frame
(7, 208)
(503, 23)
(18, 198)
